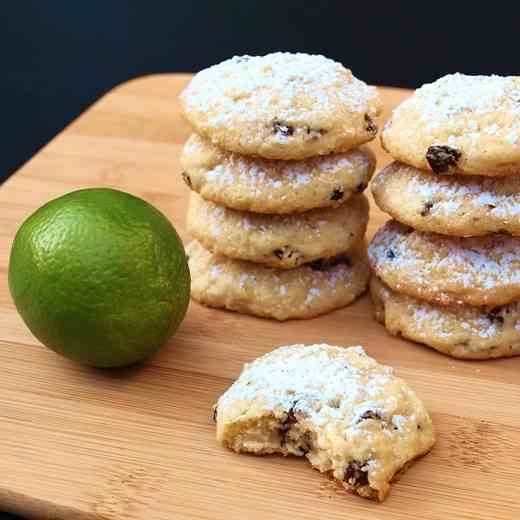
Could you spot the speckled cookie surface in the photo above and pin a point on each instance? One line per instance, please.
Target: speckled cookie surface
(459, 205)
(284, 241)
(265, 186)
(348, 415)
(303, 292)
(447, 270)
(460, 331)
(281, 106)
(459, 124)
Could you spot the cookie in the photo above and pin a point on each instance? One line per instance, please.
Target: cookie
(447, 270)
(283, 241)
(459, 205)
(459, 124)
(460, 331)
(304, 292)
(281, 106)
(348, 415)
(265, 186)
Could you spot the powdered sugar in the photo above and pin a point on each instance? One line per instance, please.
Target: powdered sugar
(313, 293)
(247, 88)
(454, 94)
(513, 136)
(457, 204)
(471, 330)
(442, 320)
(245, 279)
(286, 240)
(277, 175)
(473, 267)
(273, 186)
(470, 105)
(302, 178)
(220, 174)
(314, 373)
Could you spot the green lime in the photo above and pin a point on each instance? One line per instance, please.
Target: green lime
(100, 276)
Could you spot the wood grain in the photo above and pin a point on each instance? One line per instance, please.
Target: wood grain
(139, 443)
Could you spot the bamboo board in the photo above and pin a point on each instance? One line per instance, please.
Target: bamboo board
(139, 443)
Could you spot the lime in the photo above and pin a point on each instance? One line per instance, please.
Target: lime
(100, 276)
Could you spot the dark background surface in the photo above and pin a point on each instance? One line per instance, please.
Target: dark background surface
(59, 56)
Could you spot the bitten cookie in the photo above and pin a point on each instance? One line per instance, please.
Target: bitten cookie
(460, 331)
(348, 415)
(264, 186)
(450, 205)
(284, 241)
(459, 124)
(281, 106)
(304, 292)
(447, 270)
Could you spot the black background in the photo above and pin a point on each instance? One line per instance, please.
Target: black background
(60, 56)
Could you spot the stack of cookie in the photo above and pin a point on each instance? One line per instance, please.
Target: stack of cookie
(276, 174)
(447, 269)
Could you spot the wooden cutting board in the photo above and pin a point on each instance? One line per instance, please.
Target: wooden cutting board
(81, 444)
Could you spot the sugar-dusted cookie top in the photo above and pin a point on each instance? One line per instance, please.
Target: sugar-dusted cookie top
(447, 270)
(272, 186)
(346, 413)
(281, 106)
(283, 294)
(461, 331)
(459, 205)
(283, 241)
(459, 124)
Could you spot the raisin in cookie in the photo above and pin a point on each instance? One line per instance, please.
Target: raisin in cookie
(304, 292)
(459, 124)
(284, 241)
(264, 186)
(459, 205)
(281, 106)
(461, 331)
(350, 416)
(447, 270)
